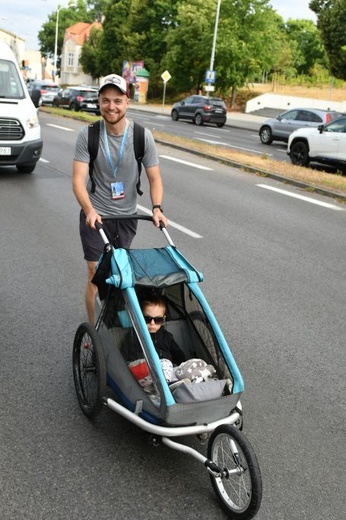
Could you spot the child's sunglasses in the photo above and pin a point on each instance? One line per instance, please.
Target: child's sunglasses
(157, 319)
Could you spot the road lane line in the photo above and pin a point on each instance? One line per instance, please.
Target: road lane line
(208, 135)
(60, 127)
(301, 197)
(194, 165)
(209, 141)
(43, 160)
(172, 223)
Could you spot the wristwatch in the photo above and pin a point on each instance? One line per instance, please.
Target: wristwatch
(157, 206)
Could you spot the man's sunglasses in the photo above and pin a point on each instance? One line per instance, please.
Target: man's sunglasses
(157, 319)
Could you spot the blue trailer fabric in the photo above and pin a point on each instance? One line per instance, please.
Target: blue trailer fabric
(159, 267)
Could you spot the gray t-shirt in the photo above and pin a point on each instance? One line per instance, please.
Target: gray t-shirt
(127, 171)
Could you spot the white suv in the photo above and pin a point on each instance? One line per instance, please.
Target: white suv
(325, 144)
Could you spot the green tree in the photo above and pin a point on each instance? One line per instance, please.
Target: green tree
(331, 21)
(90, 57)
(76, 11)
(249, 40)
(189, 43)
(149, 23)
(135, 30)
(115, 36)
(306, 45)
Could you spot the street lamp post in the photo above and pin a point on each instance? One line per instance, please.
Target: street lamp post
(215, 35)
(56, 42)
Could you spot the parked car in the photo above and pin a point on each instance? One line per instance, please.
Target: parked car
(281, 127)
(42, 92)
(78, 98)
(201, 109)
(325, 144)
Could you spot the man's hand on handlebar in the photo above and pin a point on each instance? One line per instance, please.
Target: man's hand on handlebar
(91, 218)
(158, 217)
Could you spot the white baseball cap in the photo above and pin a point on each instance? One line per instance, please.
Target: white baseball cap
(116, 81)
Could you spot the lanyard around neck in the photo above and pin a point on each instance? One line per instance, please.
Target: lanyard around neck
(121, 151)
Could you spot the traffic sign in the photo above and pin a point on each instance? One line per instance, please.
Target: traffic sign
(210, 76)
(166, 76)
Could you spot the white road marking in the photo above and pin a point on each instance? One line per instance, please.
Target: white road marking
(209, 141)
(61, 127)
(194, 165)
(172, 224)
(301, 197)
(43, 160)
(210, 135)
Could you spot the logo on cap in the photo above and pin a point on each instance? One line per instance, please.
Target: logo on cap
(117, 81)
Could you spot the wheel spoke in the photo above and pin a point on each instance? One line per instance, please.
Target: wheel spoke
(240, 489)
(237, 485)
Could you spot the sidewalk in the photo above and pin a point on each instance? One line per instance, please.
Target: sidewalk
(235, 119)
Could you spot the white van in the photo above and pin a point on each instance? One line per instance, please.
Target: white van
(20, 131)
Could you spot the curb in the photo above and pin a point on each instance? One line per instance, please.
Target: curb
(257, 171)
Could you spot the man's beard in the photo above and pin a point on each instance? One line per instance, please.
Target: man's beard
(109, 118)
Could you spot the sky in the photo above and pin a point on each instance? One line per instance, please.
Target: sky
(25, 17)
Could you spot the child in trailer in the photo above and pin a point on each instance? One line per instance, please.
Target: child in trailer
(154, 312)
(176, 368)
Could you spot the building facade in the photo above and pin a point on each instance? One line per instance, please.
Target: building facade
(71, 72)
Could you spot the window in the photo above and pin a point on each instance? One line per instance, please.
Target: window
(337, 126)
(311, 117)
(70, 59)
(10, 85)
(290, 116)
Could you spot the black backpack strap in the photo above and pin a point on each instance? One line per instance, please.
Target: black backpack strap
(139, 147)
(93, 147)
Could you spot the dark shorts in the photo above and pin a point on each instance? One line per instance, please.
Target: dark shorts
(120, 233)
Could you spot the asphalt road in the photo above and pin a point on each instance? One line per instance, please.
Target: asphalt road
(274, 267)
(244, 139)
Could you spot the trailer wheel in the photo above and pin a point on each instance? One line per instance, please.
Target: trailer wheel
(239, 490)
(89, 369)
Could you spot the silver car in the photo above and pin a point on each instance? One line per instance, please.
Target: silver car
(281, 127)
(42, 92)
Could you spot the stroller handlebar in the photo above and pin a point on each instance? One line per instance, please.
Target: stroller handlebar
(130, 217)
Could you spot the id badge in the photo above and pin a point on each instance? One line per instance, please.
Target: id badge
(117, 190)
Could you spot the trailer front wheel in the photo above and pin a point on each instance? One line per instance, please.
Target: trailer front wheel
(89, 369)
(239, 490)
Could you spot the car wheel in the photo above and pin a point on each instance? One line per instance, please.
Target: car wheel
(174, 115)
(266, 135)
(220, 125)
(198, 119)
(73, 107)
(299, 153)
